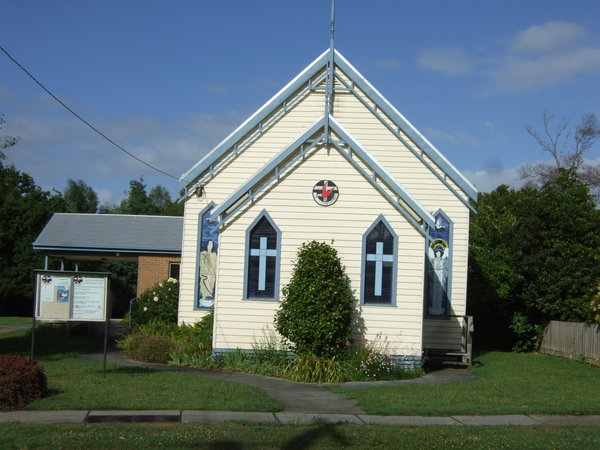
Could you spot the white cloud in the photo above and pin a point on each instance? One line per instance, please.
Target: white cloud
(216, 89)
(536, 57)
(105, 196)
(490, 126)
(452, 61)
(494, 175)
(454, 137)
(488, 180)
(53, 149)
(551, 37)
(523, 74)
(390, 63)
(544, 55)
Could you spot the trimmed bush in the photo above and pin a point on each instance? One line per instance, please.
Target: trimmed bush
(162, 342)
(22, 381)
(157, 304)
(318, 303)
(148, 347)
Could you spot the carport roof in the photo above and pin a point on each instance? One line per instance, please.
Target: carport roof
(113, 234)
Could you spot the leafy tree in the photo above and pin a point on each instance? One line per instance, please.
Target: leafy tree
(136, 201)
(567, 148)
(79, 197)
(534, 258)
(560, 257)
(493, 266)
(6, 141)
(24, 210)
(157, 202)
(318, 303)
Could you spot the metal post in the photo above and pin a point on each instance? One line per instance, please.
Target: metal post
(106, 331)
(106, 328)
(32, 335)
(35, 286)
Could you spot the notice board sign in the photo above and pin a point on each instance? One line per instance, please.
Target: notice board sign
(63, 295)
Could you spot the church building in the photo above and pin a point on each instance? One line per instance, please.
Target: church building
(328, 158)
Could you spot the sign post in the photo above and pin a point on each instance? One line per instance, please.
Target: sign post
(72, 296)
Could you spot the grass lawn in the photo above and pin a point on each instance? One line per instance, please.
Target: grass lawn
(78, 384)
(16, 321)
(237, 436)
(509, 383)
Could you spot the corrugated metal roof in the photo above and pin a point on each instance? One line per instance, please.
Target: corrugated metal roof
(111, 233)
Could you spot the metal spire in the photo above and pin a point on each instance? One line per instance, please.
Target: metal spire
(330, 80)
(332, 25)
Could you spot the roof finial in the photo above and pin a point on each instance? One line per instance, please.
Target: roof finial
(332, 24)
(329, 81)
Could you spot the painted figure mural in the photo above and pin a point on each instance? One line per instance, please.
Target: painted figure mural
(438, 267)
(207, 262)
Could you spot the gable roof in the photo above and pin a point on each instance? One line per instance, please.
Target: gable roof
(111, 233)
(309, 79)
(315, 136)
(305, 78)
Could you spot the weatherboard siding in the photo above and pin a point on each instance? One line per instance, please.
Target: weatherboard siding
(238, 170)
(416, 178)
(242, 322)
(263, 148)
(442, 334)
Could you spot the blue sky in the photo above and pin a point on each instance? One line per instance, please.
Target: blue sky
(169, 80)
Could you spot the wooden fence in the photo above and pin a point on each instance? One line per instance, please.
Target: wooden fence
(572, 340)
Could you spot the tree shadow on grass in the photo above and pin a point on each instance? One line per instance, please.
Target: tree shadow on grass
(227, 445)
(51, 342)
(313, 435)
(129, 370)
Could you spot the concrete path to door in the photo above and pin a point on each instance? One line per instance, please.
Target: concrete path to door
(296, 397)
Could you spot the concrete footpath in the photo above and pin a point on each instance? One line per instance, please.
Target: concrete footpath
(284, 418)
(303, 403)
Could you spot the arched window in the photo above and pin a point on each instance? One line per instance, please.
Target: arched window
(379, 264)
(208, 248)
(262, 259)
(438, 267)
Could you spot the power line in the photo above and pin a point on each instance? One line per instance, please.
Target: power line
(81, 118)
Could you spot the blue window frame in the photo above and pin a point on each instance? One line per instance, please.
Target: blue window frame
(263, 244)
(379, 264)
(438, 267)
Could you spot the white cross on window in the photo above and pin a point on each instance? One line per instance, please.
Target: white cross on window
(262, 254)
(379, 259)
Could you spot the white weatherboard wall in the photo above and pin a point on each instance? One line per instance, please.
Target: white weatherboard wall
(417, 179)
(240, 169)
(292, 208)
(240, 323)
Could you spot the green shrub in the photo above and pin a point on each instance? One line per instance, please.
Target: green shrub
(595, 308)
(147, 347)
(195, 342)
(315, 369)
(157, 341)
(22, 381)
(157, 304)
(318, 303)
(270, 349)
(157, 328)
(528, 335)
(373, 361)
(238, 360)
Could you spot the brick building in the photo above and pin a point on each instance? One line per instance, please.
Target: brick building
(154, 242)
